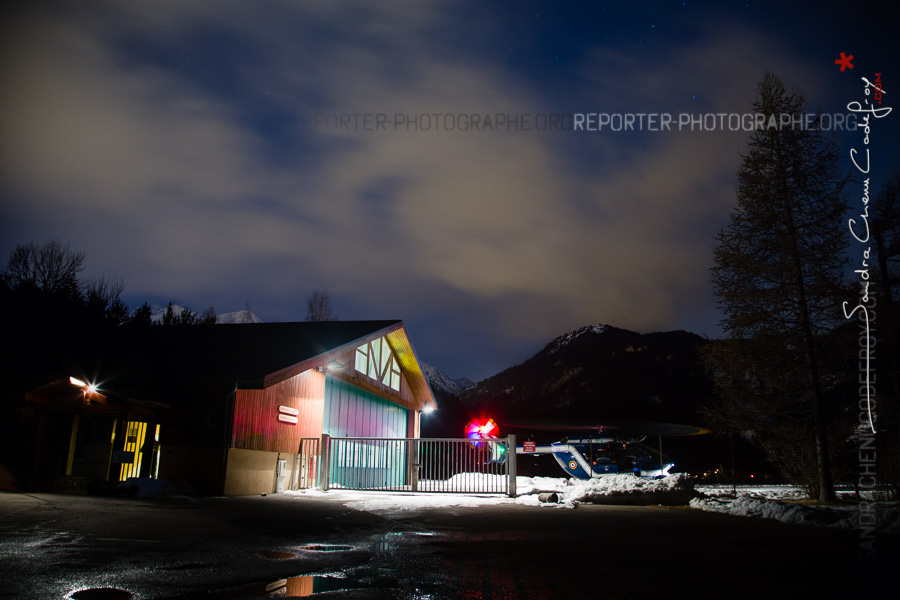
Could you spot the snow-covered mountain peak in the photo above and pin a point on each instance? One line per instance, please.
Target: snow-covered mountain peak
(441, 381)
(158, 312)
(240, 316)
(567, 338)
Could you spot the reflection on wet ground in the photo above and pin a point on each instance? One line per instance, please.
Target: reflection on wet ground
(301, 586)
(101, 594)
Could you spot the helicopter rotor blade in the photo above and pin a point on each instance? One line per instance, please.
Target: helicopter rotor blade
(607, 426)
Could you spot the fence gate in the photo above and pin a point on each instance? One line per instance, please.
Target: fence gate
(306, 468)
(419, 465)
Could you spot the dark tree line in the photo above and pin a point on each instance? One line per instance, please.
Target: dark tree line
(42, 286)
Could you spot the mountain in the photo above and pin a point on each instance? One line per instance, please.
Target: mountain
(442, 382)
(601, 371)
(241, 316)
(595, 374)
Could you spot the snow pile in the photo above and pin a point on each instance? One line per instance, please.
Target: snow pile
(673, 490)
(767, 501)
(676, 489)
(746, 506)
(614, 489)
(844, 517)
(393, 504)
(770, 492)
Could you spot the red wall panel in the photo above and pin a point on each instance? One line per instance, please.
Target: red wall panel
(256, 424)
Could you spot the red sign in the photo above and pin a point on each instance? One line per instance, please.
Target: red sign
(528, 446)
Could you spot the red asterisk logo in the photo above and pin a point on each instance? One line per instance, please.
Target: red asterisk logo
(844, 61)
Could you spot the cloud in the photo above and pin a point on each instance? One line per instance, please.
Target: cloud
(198, 171)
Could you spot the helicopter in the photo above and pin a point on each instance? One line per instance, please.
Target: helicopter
(612, 448)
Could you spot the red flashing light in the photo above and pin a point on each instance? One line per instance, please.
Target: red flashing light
(478, 430)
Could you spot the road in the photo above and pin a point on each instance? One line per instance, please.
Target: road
(63, 546)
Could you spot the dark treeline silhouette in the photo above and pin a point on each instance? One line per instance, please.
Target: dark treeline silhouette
(54, 319)
(41, 287)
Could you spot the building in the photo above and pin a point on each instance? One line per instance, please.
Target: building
(220, 409)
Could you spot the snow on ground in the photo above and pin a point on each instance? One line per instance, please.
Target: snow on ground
(763, 501)
(774, 502)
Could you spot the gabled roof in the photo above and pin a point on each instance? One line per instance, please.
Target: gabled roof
(248, 353)
(150, 360)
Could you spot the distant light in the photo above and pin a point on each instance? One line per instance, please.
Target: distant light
(77, 382)
(91, 389)
(477, 430)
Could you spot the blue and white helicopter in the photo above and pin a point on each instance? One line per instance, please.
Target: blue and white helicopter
(614, 447)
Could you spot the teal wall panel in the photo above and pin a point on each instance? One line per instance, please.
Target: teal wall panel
(353, 412)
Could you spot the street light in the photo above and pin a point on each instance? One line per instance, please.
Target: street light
(88, 391)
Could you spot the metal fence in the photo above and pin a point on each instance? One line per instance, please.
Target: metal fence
(306, 466)
(419, 465)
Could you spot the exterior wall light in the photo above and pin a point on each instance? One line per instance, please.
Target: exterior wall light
(332, 365)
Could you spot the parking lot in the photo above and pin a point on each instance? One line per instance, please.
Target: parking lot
(339, 545)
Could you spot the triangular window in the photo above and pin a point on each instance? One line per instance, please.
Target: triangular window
(376, 360)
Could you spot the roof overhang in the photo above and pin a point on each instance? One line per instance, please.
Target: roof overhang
(397, 337)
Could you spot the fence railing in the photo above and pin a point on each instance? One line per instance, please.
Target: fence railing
(418, 465)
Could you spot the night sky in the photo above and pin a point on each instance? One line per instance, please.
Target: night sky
(232, 153)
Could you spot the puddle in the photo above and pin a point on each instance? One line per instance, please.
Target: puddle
(101, 594)
(326, 548)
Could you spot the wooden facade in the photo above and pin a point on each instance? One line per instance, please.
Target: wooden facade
(256, 423)
(300, 391)
(325, 394)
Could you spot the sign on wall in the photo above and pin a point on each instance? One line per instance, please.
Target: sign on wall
(286, 414)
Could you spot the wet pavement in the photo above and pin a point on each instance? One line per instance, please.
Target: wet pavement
(82, 547)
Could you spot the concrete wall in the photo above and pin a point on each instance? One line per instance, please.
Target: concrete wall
(252, 472)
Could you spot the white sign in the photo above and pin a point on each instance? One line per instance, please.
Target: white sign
(288, 418)
(288, 410)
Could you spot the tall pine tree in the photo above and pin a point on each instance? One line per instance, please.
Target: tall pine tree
(778, 270)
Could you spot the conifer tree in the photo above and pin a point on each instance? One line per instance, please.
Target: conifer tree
(779, 264)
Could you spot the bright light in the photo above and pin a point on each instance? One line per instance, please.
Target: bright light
(91, 389)
(477, 430)
(77, 382)
(428, 409)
